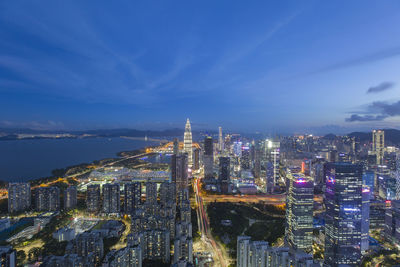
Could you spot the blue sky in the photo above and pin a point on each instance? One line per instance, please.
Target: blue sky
(286, 66)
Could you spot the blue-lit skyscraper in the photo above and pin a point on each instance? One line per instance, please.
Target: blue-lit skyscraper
(343, 201)
(368, 179)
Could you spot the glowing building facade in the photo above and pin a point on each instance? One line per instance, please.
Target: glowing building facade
(299, 212)
(187, 143)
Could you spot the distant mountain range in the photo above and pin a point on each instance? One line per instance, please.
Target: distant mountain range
(392, 136)
(12, 134)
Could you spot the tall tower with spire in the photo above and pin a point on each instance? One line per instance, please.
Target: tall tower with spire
(220, 140)
(187, 143)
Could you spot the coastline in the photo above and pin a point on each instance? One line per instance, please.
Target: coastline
(81, 169)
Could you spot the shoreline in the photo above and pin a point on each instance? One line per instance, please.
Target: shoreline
(66, 171)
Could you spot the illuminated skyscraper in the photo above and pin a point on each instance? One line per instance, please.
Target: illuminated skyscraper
(176, 146)
(398, 176)
(299, 212)
(378, 145)
(179, 171)
(343, 218)
(220, 141)
(208, 157)
(187, 143)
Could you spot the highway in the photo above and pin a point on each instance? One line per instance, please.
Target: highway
(205, 226)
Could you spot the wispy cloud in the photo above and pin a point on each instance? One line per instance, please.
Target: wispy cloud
(380, 87)
(380, 110)
(361, 60)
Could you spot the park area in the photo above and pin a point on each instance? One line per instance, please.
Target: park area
(259, 221)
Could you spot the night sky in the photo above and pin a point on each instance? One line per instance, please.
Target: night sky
(280, 66)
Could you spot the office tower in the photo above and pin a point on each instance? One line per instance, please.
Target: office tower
(378, 145)
(70, 197)
(368, 179)
(196, 159)
(87, 244)
(179, 170)
(257, 161)
(343, 201)
(19, 197)
(271, 159)
(111, 198)
(8, 256)
(224, 174)
(245, 158)
(365, 210)
(224, 169)
(187, 143)
(47, 198)
(392, 222)
(398, 175)
(220, 140)
(151, 193)
(176, 146)
(299, 212)
(208, 157)
(237, 149)
(93, 198)
(132, 197)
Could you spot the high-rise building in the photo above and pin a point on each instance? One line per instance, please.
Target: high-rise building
(183, 245)
(167, 193)
(19, 197)
(220, 140)
(176, 146)
(343, 201)
(129, 256)
(271, 159)
(245, 158)
(132, 197)
(93, 198)
(224, 169)
(179, 170)
(87, 244)
(70, 197)
(365, 210)
(187, 143)
(111, 198)
(260, 254)
(392, 222)
(299, 212)
(157, 245)
(398, 175)
(196, 159)
(151, 193)
(208, 157)
(8, 256)
(368, 179)
(47, 198)
(378, 145)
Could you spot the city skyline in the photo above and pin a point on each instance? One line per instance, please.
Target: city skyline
(306, 66)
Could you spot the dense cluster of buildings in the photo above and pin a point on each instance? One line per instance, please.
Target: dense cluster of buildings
(360, 189)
